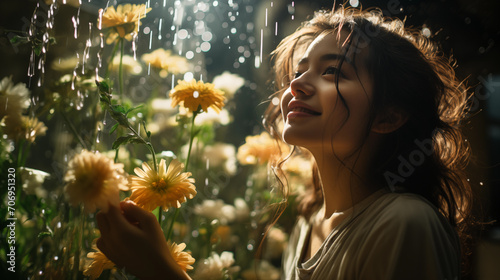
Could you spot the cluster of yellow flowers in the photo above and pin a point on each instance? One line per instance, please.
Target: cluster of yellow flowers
(95, 180)
(123, 22)
(167, 62)
(260, 149)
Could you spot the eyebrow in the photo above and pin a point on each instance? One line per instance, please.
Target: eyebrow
(328, 56)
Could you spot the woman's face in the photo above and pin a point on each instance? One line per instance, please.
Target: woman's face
(314, 115)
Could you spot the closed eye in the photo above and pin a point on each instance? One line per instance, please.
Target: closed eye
(334, 71)
(297, 74)
(331, 71)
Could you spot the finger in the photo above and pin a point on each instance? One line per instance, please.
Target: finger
(105, 249)
(101, 245)
(115, 218)
(102, 223)
(136, 215)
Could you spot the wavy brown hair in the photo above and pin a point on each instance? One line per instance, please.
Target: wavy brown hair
(411, 74)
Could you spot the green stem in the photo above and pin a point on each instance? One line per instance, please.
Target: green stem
(191, 138)
(171, 228)
(153, 154)
(148, 144)
(20, 145)
(75, 132)
(106, 75)
(120, 69)
(26, 149)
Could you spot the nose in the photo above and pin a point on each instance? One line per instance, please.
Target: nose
(301, 86)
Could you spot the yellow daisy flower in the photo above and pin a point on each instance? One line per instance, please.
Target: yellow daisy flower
(99, 264)
(124, 21)
(166, 62)
(183, 259)
(28, 128)
(95, 180)
(167, 187)
(194, 94)
(260, 149)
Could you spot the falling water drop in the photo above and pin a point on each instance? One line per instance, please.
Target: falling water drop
(159, 29)
(31, 66)
(134, 46)
(266, 18)
(150, 39)
(76, 22)
(97, 139)
(261, 44)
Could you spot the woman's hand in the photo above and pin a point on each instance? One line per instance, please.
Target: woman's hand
(131, 237)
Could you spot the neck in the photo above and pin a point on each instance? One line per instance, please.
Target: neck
(344, 182)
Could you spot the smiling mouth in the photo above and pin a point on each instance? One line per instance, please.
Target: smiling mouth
(305, 110)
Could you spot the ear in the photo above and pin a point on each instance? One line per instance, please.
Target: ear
(389, 120)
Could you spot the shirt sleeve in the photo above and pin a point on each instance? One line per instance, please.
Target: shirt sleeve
(410, 241)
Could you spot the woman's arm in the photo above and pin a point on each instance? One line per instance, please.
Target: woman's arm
(132, 238)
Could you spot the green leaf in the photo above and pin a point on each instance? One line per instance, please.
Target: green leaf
(14, 39)
(148, 133)
(132, 109)
(114, 128)
(43, 234)
(118, 109)
(17, 40)
(38, 49)
(129, 138)
(103, 86)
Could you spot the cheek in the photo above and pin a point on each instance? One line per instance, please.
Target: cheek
(285, 98)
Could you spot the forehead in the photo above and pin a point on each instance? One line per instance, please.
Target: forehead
(335, 43)
(326, 42)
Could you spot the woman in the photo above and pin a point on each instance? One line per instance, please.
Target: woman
(379, 110)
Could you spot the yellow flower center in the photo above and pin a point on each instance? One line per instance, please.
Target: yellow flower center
(159, 186)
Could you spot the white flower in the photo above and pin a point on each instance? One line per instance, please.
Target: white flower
(229, 83)
(164, 115)
(129, 64)
(33, 180)
(221, 154)
(216, 209)
(65, 64)
(276, 242)
(162, 105)
(7, 87)
(14, 100)
(216, 267)
(264, 270)
(299, 170)
(211, 117)
(66, 78)
(242, 211)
